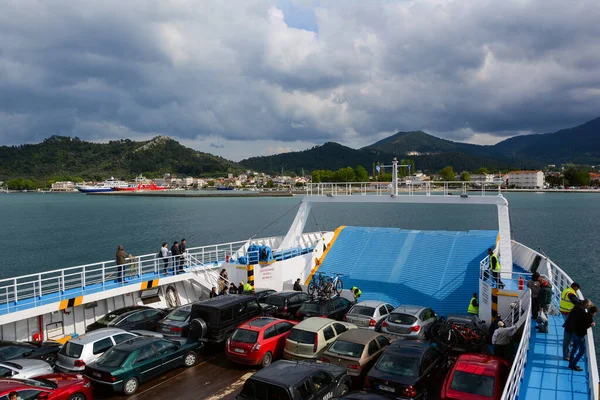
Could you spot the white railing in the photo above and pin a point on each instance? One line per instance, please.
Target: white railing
(32, 290)
(485, 274)
(428, 188)
(511, 389)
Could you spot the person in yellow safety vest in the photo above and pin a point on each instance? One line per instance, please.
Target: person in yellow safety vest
(568, 299)
(356, 292)
(247, 287)
(495, 268)
(473, 305)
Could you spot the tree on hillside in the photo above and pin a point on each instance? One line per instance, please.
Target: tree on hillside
(270, 183)
(447, 173)
(465, 176)
(577, 177)
(345, 175)
(482, 170)
(361, 174)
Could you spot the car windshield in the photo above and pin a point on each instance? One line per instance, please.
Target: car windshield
(112, 358)
(72, 350)
(345, 348)
(311, 308)
(300, 336)
(39, 382)
(402, 319)
(398, 365)
(181, 314)
(276, 301)
(108, 318)
(362, 310)
(245, 336)
(480, 385)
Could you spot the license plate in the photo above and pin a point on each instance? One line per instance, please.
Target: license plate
(386, 388)
(97, 374)
(238, 350)
(165, 329)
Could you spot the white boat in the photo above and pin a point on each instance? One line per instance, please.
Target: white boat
(437, 269)
(106, 186)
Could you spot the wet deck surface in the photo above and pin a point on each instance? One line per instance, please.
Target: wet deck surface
(212, 378)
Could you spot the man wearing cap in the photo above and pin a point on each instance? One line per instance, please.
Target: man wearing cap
(501, 341)
(495, 268)
(568, 299)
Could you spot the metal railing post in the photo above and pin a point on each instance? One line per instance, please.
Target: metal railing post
(83, 279)
(15, 286)
(40, 284)
(62, 280)
(103, 274)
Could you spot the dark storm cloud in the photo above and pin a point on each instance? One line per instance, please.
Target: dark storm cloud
(237, 71)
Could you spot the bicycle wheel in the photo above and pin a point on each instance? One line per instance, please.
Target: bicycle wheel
(339, 286)
(435, 329)
(445, 337)
(328, 290)
(311, 288)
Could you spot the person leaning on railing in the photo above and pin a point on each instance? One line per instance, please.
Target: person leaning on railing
(121, 260)
(544, 300)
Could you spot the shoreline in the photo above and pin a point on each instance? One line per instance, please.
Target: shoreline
(172, 194)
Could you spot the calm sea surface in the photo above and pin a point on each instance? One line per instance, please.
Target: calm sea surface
(40, 232)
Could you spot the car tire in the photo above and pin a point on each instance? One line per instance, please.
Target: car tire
(190, 358)
(343, 390)
(198, 329)
(266, 360)
(77, 396)
(130, 386)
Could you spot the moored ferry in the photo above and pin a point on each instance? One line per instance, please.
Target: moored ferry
(107, 186)
(435, 269)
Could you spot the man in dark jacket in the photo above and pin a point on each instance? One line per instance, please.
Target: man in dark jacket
(213, 292)
(182, 249)
(534, 288)
(121, 260)
(579, 323)
(297, 285)
(544, 300)
(175, 253)
(570, 324)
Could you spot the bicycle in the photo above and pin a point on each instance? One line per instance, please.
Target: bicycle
(451, 334)
(325, 286)
(316, 284)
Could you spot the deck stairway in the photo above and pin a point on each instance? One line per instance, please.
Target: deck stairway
(438, 269)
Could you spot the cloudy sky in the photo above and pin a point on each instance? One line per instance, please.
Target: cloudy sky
(241, 78)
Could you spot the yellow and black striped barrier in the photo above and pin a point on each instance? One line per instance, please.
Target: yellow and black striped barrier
(494, 304)
(149, 284)
(76, 301)
(251, 275)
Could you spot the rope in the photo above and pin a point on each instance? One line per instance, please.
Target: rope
(270, 224)
(316, 222)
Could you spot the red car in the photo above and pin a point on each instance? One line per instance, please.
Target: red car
(259, 341)
(51, 387)
(476, 377)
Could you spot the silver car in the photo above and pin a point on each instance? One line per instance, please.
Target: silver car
(409, 322)
(82, 350)
(23, 368)
(368, 313)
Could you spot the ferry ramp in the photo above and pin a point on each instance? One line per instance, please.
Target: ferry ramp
(438, 269)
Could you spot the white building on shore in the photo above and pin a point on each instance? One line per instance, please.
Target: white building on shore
(63, 186)
(525, 179)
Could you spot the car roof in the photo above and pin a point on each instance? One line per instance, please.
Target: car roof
(124, 310)
(26, 362)
(135, 343)
(258, 290)
(286, 293)
(220, 301)
(361, 336)
(15, 343)
(314, 324)
(479, 364)
(96, 335)
(371, 303)
(402, 347)
(288, 373)
(259, 323)
(407, 309)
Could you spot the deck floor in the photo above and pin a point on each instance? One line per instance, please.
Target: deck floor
(547, 376)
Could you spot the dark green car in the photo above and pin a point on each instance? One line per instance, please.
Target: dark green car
(124, 366)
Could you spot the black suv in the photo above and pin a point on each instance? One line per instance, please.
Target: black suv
(287, 303)
(328, 308)
(216, 319)
(296, 380)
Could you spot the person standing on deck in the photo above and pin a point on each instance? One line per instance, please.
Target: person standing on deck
(568, 299)
(121, 260)
(534, 287)
(164, 254)
(501, 341)
(297, 285)
(182, 250)
(213, 292)
(356, 292)
(232, 289)
(544, 301)
(224, 292)
(473, 305)
(581, 324)
(570, 324)
(495, 268)
(223, 279)
(248, 287)
(241, 288)
(175, 253)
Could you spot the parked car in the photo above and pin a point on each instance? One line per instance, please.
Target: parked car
(129, 318)
(328, 308)
(288, 303)
(22, 368)
(176, 323)
(259, 341)
(84, 349)
(216, 319)
(356, 350)
(261, 294)
(409, 322)
(51, 387)
(288, 380)
(40, 350)
(407, 369)
(309, 339)
(368, 313)
(123, 367)
(476, 377)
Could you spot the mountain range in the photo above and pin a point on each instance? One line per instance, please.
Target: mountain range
(66, 156)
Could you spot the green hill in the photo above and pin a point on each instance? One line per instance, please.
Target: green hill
(66, 156)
